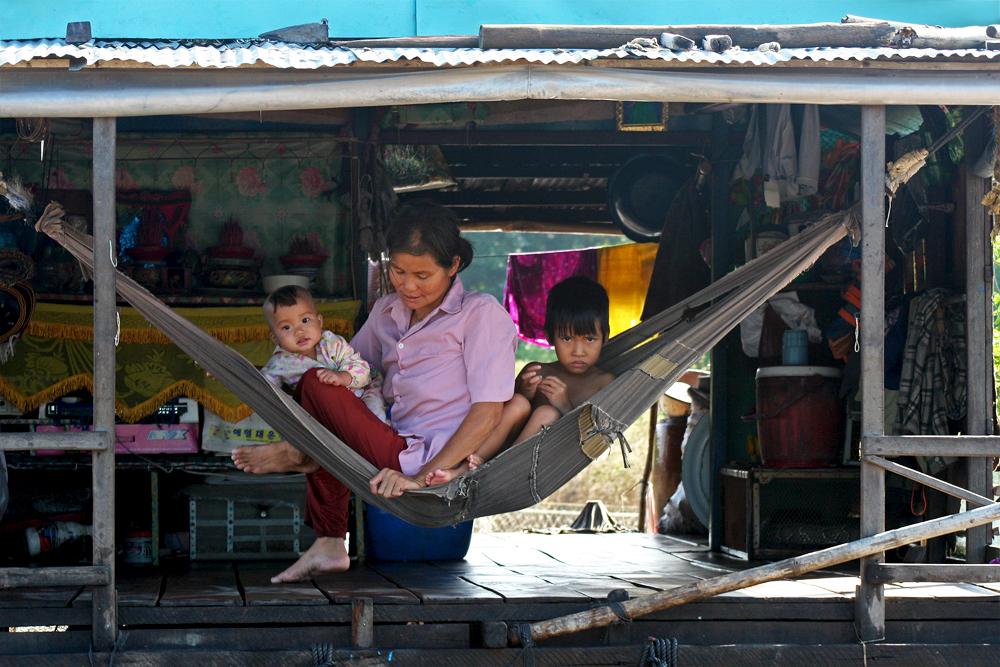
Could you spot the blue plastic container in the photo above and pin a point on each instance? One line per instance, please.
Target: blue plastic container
(390, 538)
(795, 348)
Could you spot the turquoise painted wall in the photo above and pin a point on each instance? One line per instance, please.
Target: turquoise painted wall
(188, 19)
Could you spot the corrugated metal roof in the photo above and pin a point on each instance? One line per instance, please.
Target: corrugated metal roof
(217, 54)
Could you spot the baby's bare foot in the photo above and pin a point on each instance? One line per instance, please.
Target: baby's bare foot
(273, 457)
(440, 477)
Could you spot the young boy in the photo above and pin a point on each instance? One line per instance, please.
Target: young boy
(576, 324)
(297, 330)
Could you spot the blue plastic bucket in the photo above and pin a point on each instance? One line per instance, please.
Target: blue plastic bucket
(390, 538)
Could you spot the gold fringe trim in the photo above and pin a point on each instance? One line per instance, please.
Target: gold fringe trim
(151, 336)
(128, 414)
(51, 393)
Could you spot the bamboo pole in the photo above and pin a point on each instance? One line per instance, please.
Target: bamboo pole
(603, 616)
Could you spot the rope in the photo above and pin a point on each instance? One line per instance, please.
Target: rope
(533, 475)
(15, 267)
(659, 653)
(322, 655)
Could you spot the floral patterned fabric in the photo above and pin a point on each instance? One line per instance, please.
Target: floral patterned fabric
(279, 190)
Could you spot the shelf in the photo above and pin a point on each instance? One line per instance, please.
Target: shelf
(161, 462)
(234, 298)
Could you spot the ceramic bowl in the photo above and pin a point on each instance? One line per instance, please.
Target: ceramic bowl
(272, 283)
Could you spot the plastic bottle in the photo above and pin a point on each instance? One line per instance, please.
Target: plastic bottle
(48, 536)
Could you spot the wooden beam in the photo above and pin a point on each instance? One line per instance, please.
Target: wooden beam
(541, 227)
(927, 480)
(514, 170)
(97, 441)
(932, 445)
(541, 138)
(105, 627)
(491, 214)
(936, 572)
(34, 577)
(746, 36)
(597, 198)
(603, 615)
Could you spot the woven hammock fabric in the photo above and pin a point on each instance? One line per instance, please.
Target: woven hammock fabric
(646, 358)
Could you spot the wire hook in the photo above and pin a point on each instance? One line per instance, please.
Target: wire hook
(111, 253)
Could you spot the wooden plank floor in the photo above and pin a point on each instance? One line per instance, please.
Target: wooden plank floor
(506, 578)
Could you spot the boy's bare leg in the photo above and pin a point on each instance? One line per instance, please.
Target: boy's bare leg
(273, 457)
(515, 412)
(542, 416)
(327, 554)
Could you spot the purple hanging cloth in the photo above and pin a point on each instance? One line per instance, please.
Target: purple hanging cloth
(530, 276)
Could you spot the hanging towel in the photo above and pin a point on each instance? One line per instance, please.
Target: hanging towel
(530, 276)
(623, 270)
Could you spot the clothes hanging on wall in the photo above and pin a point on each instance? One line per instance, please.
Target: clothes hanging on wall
(785, 144)
(679, 270)
(932, 386)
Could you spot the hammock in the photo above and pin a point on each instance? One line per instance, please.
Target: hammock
(647, 359)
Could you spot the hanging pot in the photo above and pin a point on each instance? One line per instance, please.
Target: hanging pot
(641, 192)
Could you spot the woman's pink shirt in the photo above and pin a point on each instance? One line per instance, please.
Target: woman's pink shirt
(461, 353)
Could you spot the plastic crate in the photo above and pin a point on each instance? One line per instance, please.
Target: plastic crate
(781, 512)
(255, 522)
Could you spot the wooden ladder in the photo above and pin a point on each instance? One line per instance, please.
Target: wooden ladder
(100, 575)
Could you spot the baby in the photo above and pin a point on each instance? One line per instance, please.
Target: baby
(297, 330)
(576, 324)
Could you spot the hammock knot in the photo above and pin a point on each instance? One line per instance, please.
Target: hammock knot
(903, 169)
(610, 430)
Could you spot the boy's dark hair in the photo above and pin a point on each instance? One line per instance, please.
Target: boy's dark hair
(574, 306)
(423, 228)
(286, 296)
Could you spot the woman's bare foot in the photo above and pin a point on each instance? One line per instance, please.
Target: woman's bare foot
(327, 554)
(475, 460)
(441, 476)
(273, 457)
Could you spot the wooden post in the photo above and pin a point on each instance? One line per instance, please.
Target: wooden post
(646, 488)
(362, 623)
(870, 600)
(105, 628)
(359, 258)
(979, 331)
(721, 233)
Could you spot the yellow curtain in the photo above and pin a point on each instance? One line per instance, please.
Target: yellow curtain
(624, 271)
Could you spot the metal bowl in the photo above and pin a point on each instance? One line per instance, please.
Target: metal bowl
(640, 194)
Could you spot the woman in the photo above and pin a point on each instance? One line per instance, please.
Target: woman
(447, 357)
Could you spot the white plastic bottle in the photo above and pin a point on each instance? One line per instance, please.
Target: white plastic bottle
(48, 536)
